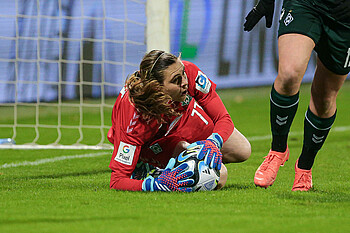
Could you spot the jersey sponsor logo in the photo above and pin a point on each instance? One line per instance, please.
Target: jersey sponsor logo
(202, 83)
(126, 149)
(125, 154)
(289, 18)
(156, 148)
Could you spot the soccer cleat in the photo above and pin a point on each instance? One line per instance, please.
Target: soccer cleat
(266, 174)
(303, 179)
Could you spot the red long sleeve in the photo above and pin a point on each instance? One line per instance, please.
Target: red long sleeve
(216, 110)
(128, 133)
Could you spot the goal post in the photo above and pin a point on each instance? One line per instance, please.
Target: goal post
(158, 25)
(64, 63)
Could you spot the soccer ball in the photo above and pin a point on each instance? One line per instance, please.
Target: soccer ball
(205, 178)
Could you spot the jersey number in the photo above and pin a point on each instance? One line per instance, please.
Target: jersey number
(194, 111)
(347, 61)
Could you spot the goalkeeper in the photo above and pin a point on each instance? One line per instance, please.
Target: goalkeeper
(164, 107)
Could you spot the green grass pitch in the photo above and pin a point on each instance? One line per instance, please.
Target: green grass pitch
(67, 190)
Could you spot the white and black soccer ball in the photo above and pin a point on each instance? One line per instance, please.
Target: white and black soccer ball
(205, 178)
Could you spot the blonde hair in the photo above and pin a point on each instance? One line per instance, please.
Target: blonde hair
(146, 86)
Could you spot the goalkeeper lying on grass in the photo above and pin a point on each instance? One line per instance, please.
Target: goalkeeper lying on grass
(163, 108)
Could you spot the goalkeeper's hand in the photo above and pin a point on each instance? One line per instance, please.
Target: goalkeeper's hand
(171, 179)
(209, 149)
(263, 8)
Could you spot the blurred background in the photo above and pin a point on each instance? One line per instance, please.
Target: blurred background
(54, 49)
(63, 62)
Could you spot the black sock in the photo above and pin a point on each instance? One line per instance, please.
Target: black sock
(316, 130)
(282, 112)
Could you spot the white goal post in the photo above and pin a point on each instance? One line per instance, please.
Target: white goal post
(158, 25)
(63, 64)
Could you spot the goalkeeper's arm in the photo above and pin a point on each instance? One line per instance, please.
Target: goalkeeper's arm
(123, 163)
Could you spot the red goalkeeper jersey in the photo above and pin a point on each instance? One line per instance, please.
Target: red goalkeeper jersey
(129, 132)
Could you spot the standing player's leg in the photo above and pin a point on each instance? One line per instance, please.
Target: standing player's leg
(294, 54)
(319, 119)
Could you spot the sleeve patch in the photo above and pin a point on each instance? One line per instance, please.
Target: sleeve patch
(125, 154)
(203, 84)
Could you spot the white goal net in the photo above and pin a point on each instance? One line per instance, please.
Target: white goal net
(63, 63)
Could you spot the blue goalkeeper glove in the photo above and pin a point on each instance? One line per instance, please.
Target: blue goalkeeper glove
(216, 139)
(209, 150)
(171, 179)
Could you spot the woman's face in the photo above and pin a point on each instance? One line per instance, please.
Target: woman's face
(175, 81)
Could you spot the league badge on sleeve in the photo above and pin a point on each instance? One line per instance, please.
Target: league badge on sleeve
(202, 83)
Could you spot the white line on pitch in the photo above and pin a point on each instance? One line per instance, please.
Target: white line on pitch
(66, 157)
(51, 160)
(266, 137)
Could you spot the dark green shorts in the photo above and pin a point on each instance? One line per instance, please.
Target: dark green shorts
(332, 38)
